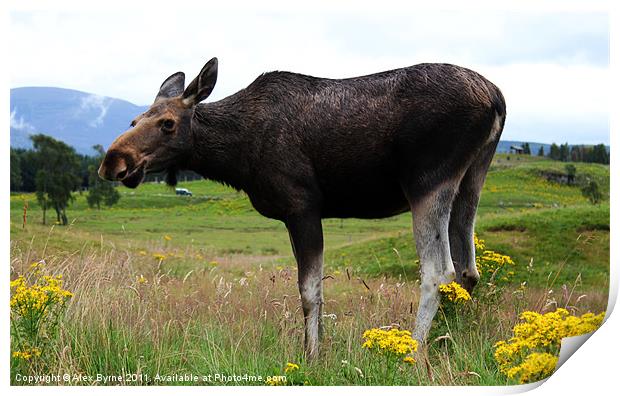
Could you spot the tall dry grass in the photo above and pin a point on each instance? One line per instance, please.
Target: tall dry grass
(134, 317)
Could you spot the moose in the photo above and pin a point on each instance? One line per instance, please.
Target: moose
(418, 139)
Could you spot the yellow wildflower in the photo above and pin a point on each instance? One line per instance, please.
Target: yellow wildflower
(167, 237)
(490, 261)
(290, 367)
(159, 256)
(454, 292)
(141, 279)
(478, 243)
(276, 380)
(409, 360)
(27, 353)
(393, 341)
(493, 264)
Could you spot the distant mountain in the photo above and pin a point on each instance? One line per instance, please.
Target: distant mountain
(77, 118)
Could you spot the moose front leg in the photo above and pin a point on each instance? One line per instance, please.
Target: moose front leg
(307, 241)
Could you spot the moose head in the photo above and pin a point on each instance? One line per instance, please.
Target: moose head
(161, 138)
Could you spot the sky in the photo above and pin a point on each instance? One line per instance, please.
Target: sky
(552, 65)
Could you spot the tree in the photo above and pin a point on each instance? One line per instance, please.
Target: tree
(564, 152)
(99, 190)
(41, 192)
(23, 170)
(57, 175)
(541, 151)
(599, 154)
(526, 149)
(577, 153)
(554, 152)
(16, 172)
(86, 161)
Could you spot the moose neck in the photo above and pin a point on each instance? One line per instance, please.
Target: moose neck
(221, 143)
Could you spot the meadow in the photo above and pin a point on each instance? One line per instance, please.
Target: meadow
(165, 287)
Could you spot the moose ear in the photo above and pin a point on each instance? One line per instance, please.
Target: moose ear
(199, 89)
(172, 86)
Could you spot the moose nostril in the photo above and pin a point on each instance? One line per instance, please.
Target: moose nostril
(121, 175)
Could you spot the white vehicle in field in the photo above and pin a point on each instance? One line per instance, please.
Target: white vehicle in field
(183, 191)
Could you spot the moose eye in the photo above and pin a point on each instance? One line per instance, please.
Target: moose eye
(167, 125)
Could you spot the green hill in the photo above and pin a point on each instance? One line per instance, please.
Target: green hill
(521, 213)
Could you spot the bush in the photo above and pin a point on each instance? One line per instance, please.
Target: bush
(592, 191)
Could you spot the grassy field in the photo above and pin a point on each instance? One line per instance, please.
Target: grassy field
(166, 284)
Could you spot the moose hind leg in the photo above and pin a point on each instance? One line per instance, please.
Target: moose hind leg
(431, 215)
(463, 217)
(307, 241)
(461, 231)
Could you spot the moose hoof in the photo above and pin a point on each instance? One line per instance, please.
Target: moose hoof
(469, 280)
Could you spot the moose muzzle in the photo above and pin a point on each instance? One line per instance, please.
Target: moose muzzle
(119, 166)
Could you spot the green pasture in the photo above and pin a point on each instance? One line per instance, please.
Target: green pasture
(520, 214)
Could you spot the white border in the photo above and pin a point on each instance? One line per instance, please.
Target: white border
(591, 369)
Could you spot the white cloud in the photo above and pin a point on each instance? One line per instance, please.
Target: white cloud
(19, 123)
(98, 103)
(545, 74)
(554, 103)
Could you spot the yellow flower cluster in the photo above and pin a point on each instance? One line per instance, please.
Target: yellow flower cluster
(454, 292)
(393, 341)
(159, 256)
(551, 327)
(489, 262)
(27, 354)
(34, 299)
(536, 366)
(290, 367)
(276, 380)
(540, 335)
